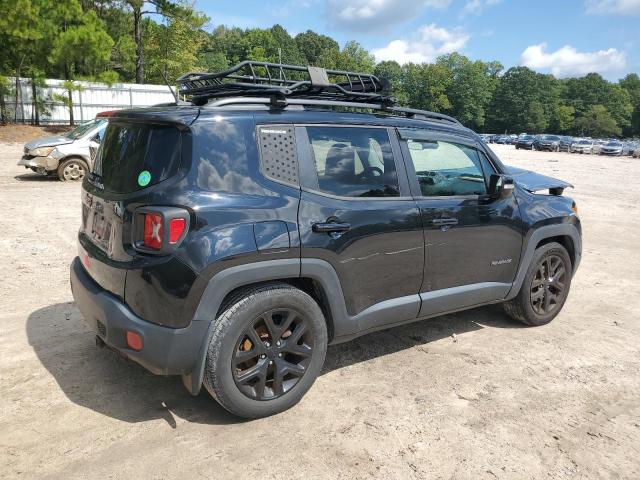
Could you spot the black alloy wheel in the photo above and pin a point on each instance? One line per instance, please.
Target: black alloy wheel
(272, 354)
(548, 285)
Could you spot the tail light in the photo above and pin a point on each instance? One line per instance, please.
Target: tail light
(159, 230)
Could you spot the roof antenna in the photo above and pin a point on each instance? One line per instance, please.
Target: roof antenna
(164, 75)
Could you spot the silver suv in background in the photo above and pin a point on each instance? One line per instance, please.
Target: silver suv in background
(67, 155)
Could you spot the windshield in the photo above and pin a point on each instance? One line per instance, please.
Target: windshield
(82, 129)
(584, 142)
(614, 144)
(550, 137)
(527, 137)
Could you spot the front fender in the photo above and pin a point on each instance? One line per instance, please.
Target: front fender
(570, 228)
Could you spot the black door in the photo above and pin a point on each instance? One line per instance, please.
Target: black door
(472, 243)
(356, 213)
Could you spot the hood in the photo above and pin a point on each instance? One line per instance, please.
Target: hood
(48, 142)
(534, 182)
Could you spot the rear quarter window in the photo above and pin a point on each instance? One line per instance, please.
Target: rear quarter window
(135, 156)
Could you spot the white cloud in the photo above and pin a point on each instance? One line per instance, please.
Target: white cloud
(567, 61)
(427, 43)
(622, 7)
(475, 7)
(364, 15)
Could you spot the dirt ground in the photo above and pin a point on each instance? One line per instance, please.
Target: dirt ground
(466, 396)
(24, 133)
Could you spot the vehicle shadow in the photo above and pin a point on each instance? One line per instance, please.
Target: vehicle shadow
(35, 177)
(103, 381)
(422, 332)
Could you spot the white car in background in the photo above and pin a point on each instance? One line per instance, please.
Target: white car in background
(67, 155)
(582, 145)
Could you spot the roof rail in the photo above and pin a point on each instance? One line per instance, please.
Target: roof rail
(278, 85)
(277, 102)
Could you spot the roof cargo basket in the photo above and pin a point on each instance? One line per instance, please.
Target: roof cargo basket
(279, 85)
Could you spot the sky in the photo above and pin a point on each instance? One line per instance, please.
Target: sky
(563, 37)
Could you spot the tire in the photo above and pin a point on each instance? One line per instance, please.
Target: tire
(249, 388)
(72, 169)
(523, 307)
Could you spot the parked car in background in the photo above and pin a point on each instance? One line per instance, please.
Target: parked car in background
(597, 146)
(525, 142)
(565, 144)
(582, 145)
(636, 152)
(547, 142)
(68, 155)
(612, 148)
(503, 140)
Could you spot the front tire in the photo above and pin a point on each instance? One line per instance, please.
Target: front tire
(545, 287)
(72, 169)
(266, 350)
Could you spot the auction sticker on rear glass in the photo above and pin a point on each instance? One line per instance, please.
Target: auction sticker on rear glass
(144, 178)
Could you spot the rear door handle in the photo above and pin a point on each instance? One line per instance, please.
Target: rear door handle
(442, 222)
(330, 227)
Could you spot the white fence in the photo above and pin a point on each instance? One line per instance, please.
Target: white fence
(92, 99)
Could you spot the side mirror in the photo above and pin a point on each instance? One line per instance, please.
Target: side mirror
(500, 186)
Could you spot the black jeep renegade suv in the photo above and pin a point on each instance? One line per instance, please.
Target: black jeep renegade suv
(230, 239)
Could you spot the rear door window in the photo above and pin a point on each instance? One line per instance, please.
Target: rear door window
(354, 161)
(135, 156)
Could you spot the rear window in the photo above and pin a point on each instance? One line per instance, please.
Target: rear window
(135, 156)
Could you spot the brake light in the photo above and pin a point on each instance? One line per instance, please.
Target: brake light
(176, 228)
(153, 231)
(159, 230)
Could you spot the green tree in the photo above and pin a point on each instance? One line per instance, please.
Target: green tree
(318, 50)
(354, 58)
(4, 90)
(426, 86)
(524, 101)
(67, 99)
(562, 118)
(173, 49)
(631, 83)
(585, 92)
(82, 48)
(471, 88)
(597, 121)
(392, 71)
(162, 8)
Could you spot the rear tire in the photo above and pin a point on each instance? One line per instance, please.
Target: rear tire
(72, 169)
(545, 287)
(266, 350)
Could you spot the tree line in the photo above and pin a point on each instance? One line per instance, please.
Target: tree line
(144, 41)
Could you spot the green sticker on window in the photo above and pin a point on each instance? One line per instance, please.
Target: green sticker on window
(144, 178)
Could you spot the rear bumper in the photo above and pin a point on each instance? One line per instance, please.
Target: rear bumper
(166, 351)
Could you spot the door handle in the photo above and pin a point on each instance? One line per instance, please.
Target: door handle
(442, 222)
(330, 227)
